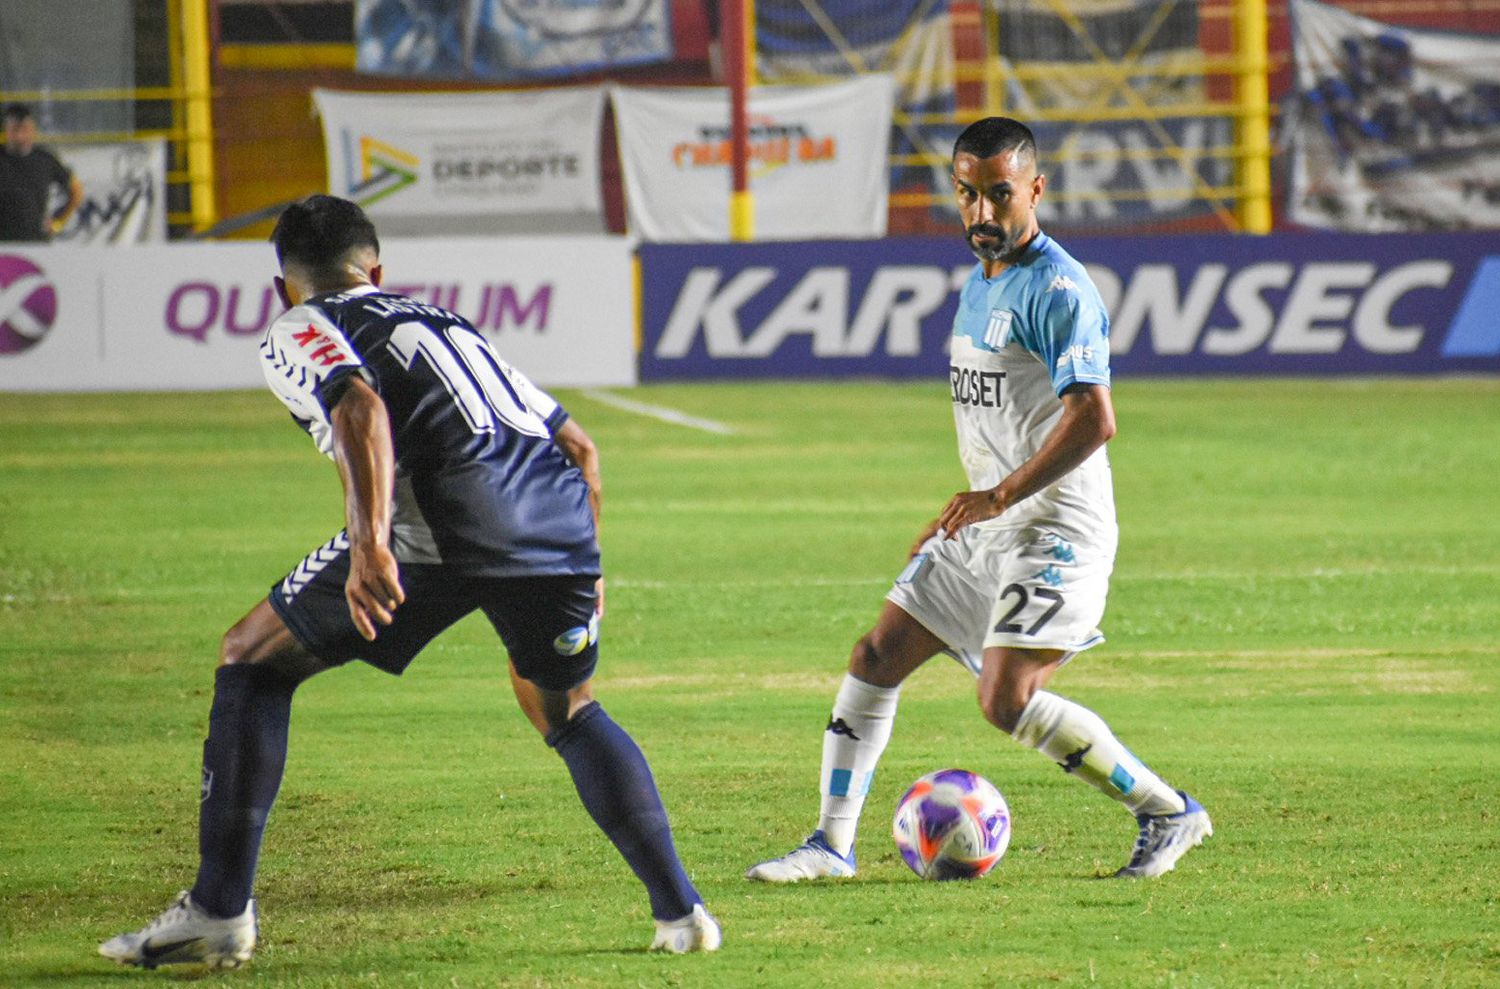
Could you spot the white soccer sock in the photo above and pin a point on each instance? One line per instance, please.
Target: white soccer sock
(857, 733)
(1078, 740)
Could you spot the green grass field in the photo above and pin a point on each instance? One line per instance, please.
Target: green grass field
(1302, 631)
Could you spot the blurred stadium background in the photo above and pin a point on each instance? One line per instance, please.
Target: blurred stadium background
(1225, 130)
(226, 84)
(1290, 190)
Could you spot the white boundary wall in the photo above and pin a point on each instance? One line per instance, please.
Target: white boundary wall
(189, 317)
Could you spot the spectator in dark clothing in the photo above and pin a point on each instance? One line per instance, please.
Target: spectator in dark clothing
(27, 175)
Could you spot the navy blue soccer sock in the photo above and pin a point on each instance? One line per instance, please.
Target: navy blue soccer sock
(243, 759)
(616, 787)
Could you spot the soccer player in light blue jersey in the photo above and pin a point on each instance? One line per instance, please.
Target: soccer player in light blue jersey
(1010, 578)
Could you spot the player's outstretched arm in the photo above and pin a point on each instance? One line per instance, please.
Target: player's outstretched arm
(366, 460)
(1087, 423)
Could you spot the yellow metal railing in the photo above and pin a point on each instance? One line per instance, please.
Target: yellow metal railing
(1130, 88)
(1225, 80)
(196, 53)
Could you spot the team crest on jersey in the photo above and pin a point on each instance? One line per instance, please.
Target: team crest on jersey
(997, 332)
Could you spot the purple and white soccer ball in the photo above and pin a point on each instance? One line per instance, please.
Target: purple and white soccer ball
(952, 824)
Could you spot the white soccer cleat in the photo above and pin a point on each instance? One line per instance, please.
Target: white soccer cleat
(1165, 839)
(813, 859)
(698, 931)
(184, 934)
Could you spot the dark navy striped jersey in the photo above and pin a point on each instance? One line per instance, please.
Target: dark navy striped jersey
(480, 484)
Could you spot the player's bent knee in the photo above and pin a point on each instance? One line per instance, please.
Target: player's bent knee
(862, 658)
(873, 664)
(1002, 704)
(235, 647)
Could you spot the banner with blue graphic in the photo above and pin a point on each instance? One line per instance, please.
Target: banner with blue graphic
(910, 40)
(509, 39)
(1319, 305)
(1394, 129)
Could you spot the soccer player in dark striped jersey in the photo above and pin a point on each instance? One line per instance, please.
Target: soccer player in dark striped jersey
(466, 488)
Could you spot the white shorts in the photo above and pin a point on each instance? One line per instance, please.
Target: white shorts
(1028, 588)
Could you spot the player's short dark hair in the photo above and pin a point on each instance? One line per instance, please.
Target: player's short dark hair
(319, 232)
(996, 135)
(17, 112)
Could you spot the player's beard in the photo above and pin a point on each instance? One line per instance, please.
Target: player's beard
(1006, 248)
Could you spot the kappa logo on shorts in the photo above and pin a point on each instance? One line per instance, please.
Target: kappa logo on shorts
(1051, 575)
(576, 640)
(208, 784)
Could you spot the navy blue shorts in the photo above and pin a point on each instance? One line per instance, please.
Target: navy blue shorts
(547, 623)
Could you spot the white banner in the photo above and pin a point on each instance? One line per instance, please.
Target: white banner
(430, 164)
(182, 317)
(817, 169)
(1395, 129)
(124, 193)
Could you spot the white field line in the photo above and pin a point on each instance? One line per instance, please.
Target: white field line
(659, 412)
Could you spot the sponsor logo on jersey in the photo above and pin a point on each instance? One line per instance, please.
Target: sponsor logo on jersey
(1062, 283)
(28, 304)
(1077, 352)
(320, 346)
(975, 388)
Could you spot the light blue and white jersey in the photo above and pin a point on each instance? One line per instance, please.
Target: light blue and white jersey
(1020, 339)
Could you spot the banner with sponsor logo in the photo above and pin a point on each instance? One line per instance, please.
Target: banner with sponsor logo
(1295, 305)
(429, 164)
(1395, 129)
(180, 317)
(508, 39)
(817, 169)
(124, 193)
